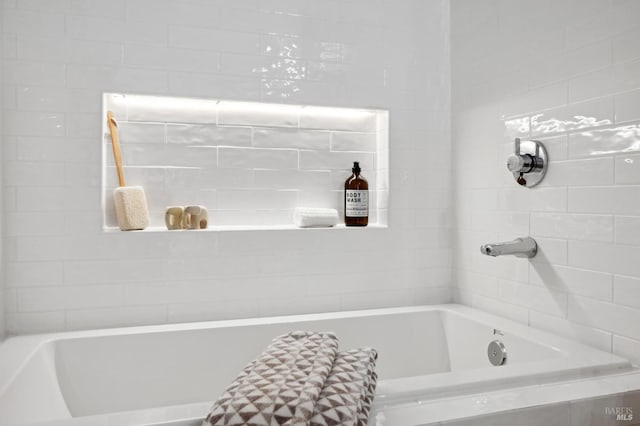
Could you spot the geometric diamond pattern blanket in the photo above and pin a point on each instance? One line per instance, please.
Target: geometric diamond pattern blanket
(300, 379)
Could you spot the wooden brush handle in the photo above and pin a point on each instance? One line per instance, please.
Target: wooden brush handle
(111, 122)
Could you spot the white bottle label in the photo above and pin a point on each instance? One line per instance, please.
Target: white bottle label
(356, 202)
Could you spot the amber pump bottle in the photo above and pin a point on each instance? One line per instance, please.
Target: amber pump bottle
(356, 199)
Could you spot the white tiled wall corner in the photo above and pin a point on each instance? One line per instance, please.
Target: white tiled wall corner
(577, 92)
(64, 272)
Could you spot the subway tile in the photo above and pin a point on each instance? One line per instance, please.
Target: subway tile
(533, 297)
(292, 179)
(31, 73)
(616, 140)
(560, 326)
(595, 171)
(296, 47)
(103, 77)
(549, 199)
(627, 230)
(552, 251)
(592, 84)
(626, 75)
(499, 307)
(605, 200)
(35, 299)
(626, 291)
(215, 86)
(247, 114)
(605, 316)
(34, 123)
(170, 58)
(34, 322)
(211, 178)
(209, 135)
(557, 147)
(627, 106)
(166, 12)
(595, 256)
(82, 176)
(254, 158)
(167, 155)
(68, 51)
(626, 46)
(594, 113)
(486, 285)
(34, 174)
(83, 319)
(347, 141)
(169, 110)
(150, 133)
(287, 138)
(218, 40)
(144, 176)
(336, 119)
(57, 99)
(572, 226)
(321, 160)
(94, 8)
(116, 30)
(626, 260)
(257, 199)
(540, 98)
(56, 199)
(33, 23)
(263, 66)
(211, 311)
(329, 198)
(20, 274)
(627, 169)
(584, 282)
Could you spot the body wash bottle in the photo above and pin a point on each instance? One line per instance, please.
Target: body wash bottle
(356, 199)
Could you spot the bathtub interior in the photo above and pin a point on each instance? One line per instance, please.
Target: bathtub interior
(96, 375)
(112, 371)
(467, 343)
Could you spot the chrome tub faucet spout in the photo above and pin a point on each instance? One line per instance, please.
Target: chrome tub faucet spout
(520, 247)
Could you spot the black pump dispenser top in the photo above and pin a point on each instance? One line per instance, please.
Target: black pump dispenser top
(356, 168)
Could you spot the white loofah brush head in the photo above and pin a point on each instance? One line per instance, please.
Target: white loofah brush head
(131, 208)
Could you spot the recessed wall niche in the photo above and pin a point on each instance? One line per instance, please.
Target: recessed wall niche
(251, 164)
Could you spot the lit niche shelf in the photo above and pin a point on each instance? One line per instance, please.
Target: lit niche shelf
(251, 164)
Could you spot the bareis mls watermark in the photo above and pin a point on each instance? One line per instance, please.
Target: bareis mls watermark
(620, 413)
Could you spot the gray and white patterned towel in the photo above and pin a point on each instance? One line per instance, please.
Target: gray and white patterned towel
(347, 395)
(300, 380)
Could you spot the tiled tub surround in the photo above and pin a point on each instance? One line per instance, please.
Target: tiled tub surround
(577, 90)
(249, 163)
(62, 271)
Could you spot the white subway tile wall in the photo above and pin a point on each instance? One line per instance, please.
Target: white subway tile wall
(573, 84)
(59, 58)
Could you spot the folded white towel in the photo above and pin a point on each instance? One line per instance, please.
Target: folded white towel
(311, 217)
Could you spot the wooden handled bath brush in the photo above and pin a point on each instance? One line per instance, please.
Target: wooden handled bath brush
(130, 202)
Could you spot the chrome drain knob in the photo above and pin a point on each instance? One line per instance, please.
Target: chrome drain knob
(497, 353)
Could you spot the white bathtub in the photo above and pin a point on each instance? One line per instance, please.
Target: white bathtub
(169, 374)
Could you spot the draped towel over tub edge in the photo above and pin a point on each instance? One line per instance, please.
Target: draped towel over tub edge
(300, 379)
